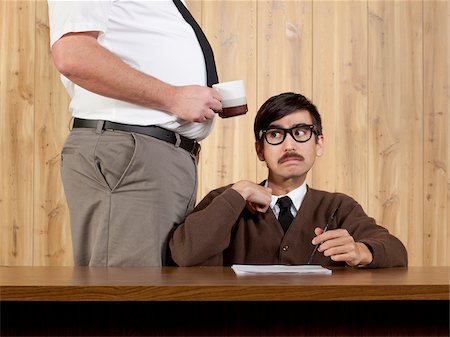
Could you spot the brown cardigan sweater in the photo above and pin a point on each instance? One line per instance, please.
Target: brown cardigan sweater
(222, 231)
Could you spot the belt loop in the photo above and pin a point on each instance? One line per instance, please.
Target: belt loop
(178, 142)
(100, 125)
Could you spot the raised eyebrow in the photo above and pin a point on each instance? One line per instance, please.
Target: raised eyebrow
(301, 124)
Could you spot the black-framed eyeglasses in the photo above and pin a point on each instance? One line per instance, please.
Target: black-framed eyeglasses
(300, 133)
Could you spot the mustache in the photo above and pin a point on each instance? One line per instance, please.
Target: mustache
(289, 155)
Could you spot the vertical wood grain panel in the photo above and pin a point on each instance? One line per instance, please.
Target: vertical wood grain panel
(436, 133)
(52, 240)
(227, 155)
(16, 131)
(340, 93)
(377, 70)
(324, 95)
(396, 120)
(284, 52)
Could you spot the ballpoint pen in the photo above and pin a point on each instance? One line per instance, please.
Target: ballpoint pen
(330, 220)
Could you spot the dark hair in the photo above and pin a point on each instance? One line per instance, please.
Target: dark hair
(282, 105)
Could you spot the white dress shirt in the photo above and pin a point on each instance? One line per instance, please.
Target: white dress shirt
(150, 36)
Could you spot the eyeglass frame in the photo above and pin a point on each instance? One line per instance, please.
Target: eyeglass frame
(312, 127)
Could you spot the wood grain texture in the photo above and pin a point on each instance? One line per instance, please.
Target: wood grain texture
(17, 84)
(219, 284)
(436, 209)
(377, 70)
(52, 240)
(396, 121)
(340, 93)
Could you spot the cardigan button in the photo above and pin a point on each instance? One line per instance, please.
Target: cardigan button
(285, 248)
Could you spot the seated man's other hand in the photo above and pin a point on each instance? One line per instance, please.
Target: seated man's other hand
(339, 245)
(258, 197)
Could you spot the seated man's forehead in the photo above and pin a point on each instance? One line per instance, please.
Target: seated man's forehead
(292, 119)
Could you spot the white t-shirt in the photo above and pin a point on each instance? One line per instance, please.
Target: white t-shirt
(150, 36)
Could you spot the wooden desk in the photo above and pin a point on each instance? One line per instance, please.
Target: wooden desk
(149, 301)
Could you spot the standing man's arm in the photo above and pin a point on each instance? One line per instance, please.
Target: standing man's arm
(80, 58)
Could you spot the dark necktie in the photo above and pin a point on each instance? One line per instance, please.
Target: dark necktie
(285, 218)
(211, 71)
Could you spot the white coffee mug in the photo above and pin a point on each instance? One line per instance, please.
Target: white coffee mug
(234, 100)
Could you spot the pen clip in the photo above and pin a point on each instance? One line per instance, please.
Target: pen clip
(330, 220)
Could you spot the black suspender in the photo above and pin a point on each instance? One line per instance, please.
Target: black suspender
(211, 71)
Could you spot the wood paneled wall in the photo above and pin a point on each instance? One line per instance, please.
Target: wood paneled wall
(377, 70)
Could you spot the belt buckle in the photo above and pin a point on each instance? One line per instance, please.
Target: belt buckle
(196, 148)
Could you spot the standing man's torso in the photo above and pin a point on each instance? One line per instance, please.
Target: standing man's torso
(150, 36)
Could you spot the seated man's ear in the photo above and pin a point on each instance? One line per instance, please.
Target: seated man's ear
(259, 150)
(319, 146)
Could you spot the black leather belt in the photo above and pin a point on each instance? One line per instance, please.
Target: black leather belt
(190, 145)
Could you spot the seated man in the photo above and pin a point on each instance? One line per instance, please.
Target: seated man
(248, 223)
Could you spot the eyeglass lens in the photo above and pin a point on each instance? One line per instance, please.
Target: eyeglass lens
(300, 133)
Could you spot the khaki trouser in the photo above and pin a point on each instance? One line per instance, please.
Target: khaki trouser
(125, 193)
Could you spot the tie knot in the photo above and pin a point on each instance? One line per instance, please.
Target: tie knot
(284, 202)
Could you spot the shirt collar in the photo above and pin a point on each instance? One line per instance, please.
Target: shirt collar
(296, 196)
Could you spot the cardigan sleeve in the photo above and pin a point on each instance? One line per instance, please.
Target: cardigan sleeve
(206, 232)
(386, 249)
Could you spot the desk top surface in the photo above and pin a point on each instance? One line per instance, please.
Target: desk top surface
(220, 284)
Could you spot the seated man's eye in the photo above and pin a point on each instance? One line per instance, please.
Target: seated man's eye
(301, 131)
(275, 134)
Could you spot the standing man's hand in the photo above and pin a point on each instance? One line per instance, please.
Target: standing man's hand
(195, 103)
(339, 245)
(258, 197)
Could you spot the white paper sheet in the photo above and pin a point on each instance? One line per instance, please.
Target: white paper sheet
(248, 269)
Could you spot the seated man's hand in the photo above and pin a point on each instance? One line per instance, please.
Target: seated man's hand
(258, 197)
(339, 245)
